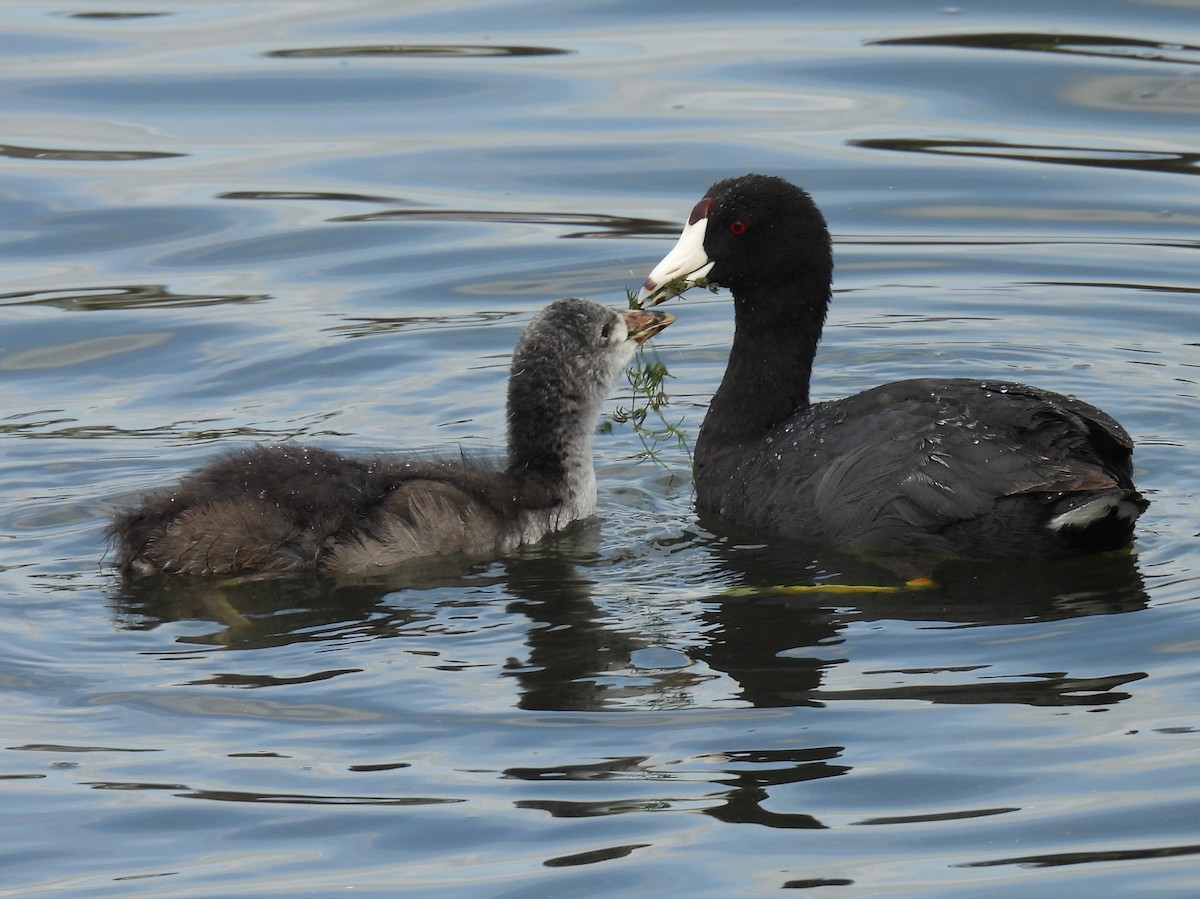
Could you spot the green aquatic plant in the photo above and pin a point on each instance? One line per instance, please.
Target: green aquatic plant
(645, 412)
(675, 288)
(647, 404)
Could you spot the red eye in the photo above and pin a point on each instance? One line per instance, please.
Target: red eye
(737, 229)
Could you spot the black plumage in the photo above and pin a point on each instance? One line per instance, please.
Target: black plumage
(943, 467)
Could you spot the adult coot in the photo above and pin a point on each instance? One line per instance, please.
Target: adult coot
(288, 508)
(942, 467)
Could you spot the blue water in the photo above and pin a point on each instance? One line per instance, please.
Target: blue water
(228, 223)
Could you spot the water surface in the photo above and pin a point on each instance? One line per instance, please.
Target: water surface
(232, 223)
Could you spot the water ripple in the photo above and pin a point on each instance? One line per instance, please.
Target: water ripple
(1105, 46)
(18, 152)
(430, 51)
(133, 296)
(519, 726)
(1059, 859)
(592, 225)
(1180, 163)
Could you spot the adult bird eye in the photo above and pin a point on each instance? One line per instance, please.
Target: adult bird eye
(737, 229)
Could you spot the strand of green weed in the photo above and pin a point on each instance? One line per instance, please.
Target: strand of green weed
(646, 380)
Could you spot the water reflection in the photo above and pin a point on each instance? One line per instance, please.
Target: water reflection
(42, 424)
(365, 327)
(256, 613)
(750, 786)
(1138, 160)
(1060, 859)
(127, 296)
(426, 51)
(76, 155)
(776, 645)
(571, 649)
(1107, 46)
(340, 196)
(113, 15)
(746, 779)
(586, 225)
(309, 713)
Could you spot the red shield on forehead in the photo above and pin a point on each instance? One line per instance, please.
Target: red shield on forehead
(700, 211)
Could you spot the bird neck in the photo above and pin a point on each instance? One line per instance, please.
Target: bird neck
(775, 337)
(550, 439)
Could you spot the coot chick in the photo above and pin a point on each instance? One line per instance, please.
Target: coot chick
(290, 508)
(930, 467)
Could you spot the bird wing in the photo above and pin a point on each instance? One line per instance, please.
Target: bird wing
(915, 456)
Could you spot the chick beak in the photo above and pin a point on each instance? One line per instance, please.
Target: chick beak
(643, 324)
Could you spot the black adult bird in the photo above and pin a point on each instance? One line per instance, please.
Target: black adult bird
(931, 467)
(289, 508)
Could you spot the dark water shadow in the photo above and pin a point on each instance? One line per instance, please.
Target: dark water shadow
(1100, 45)
(775, 634)
(1063, 859)
(61, 154)
(583, 225)
(111, 15)
(571, 643)
(274, 195)
(125, 296)
(258, 613)
(421, 51)
(56, 424)
(743, 786)
(777, 646)
(368, 327)
(1089, 157)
